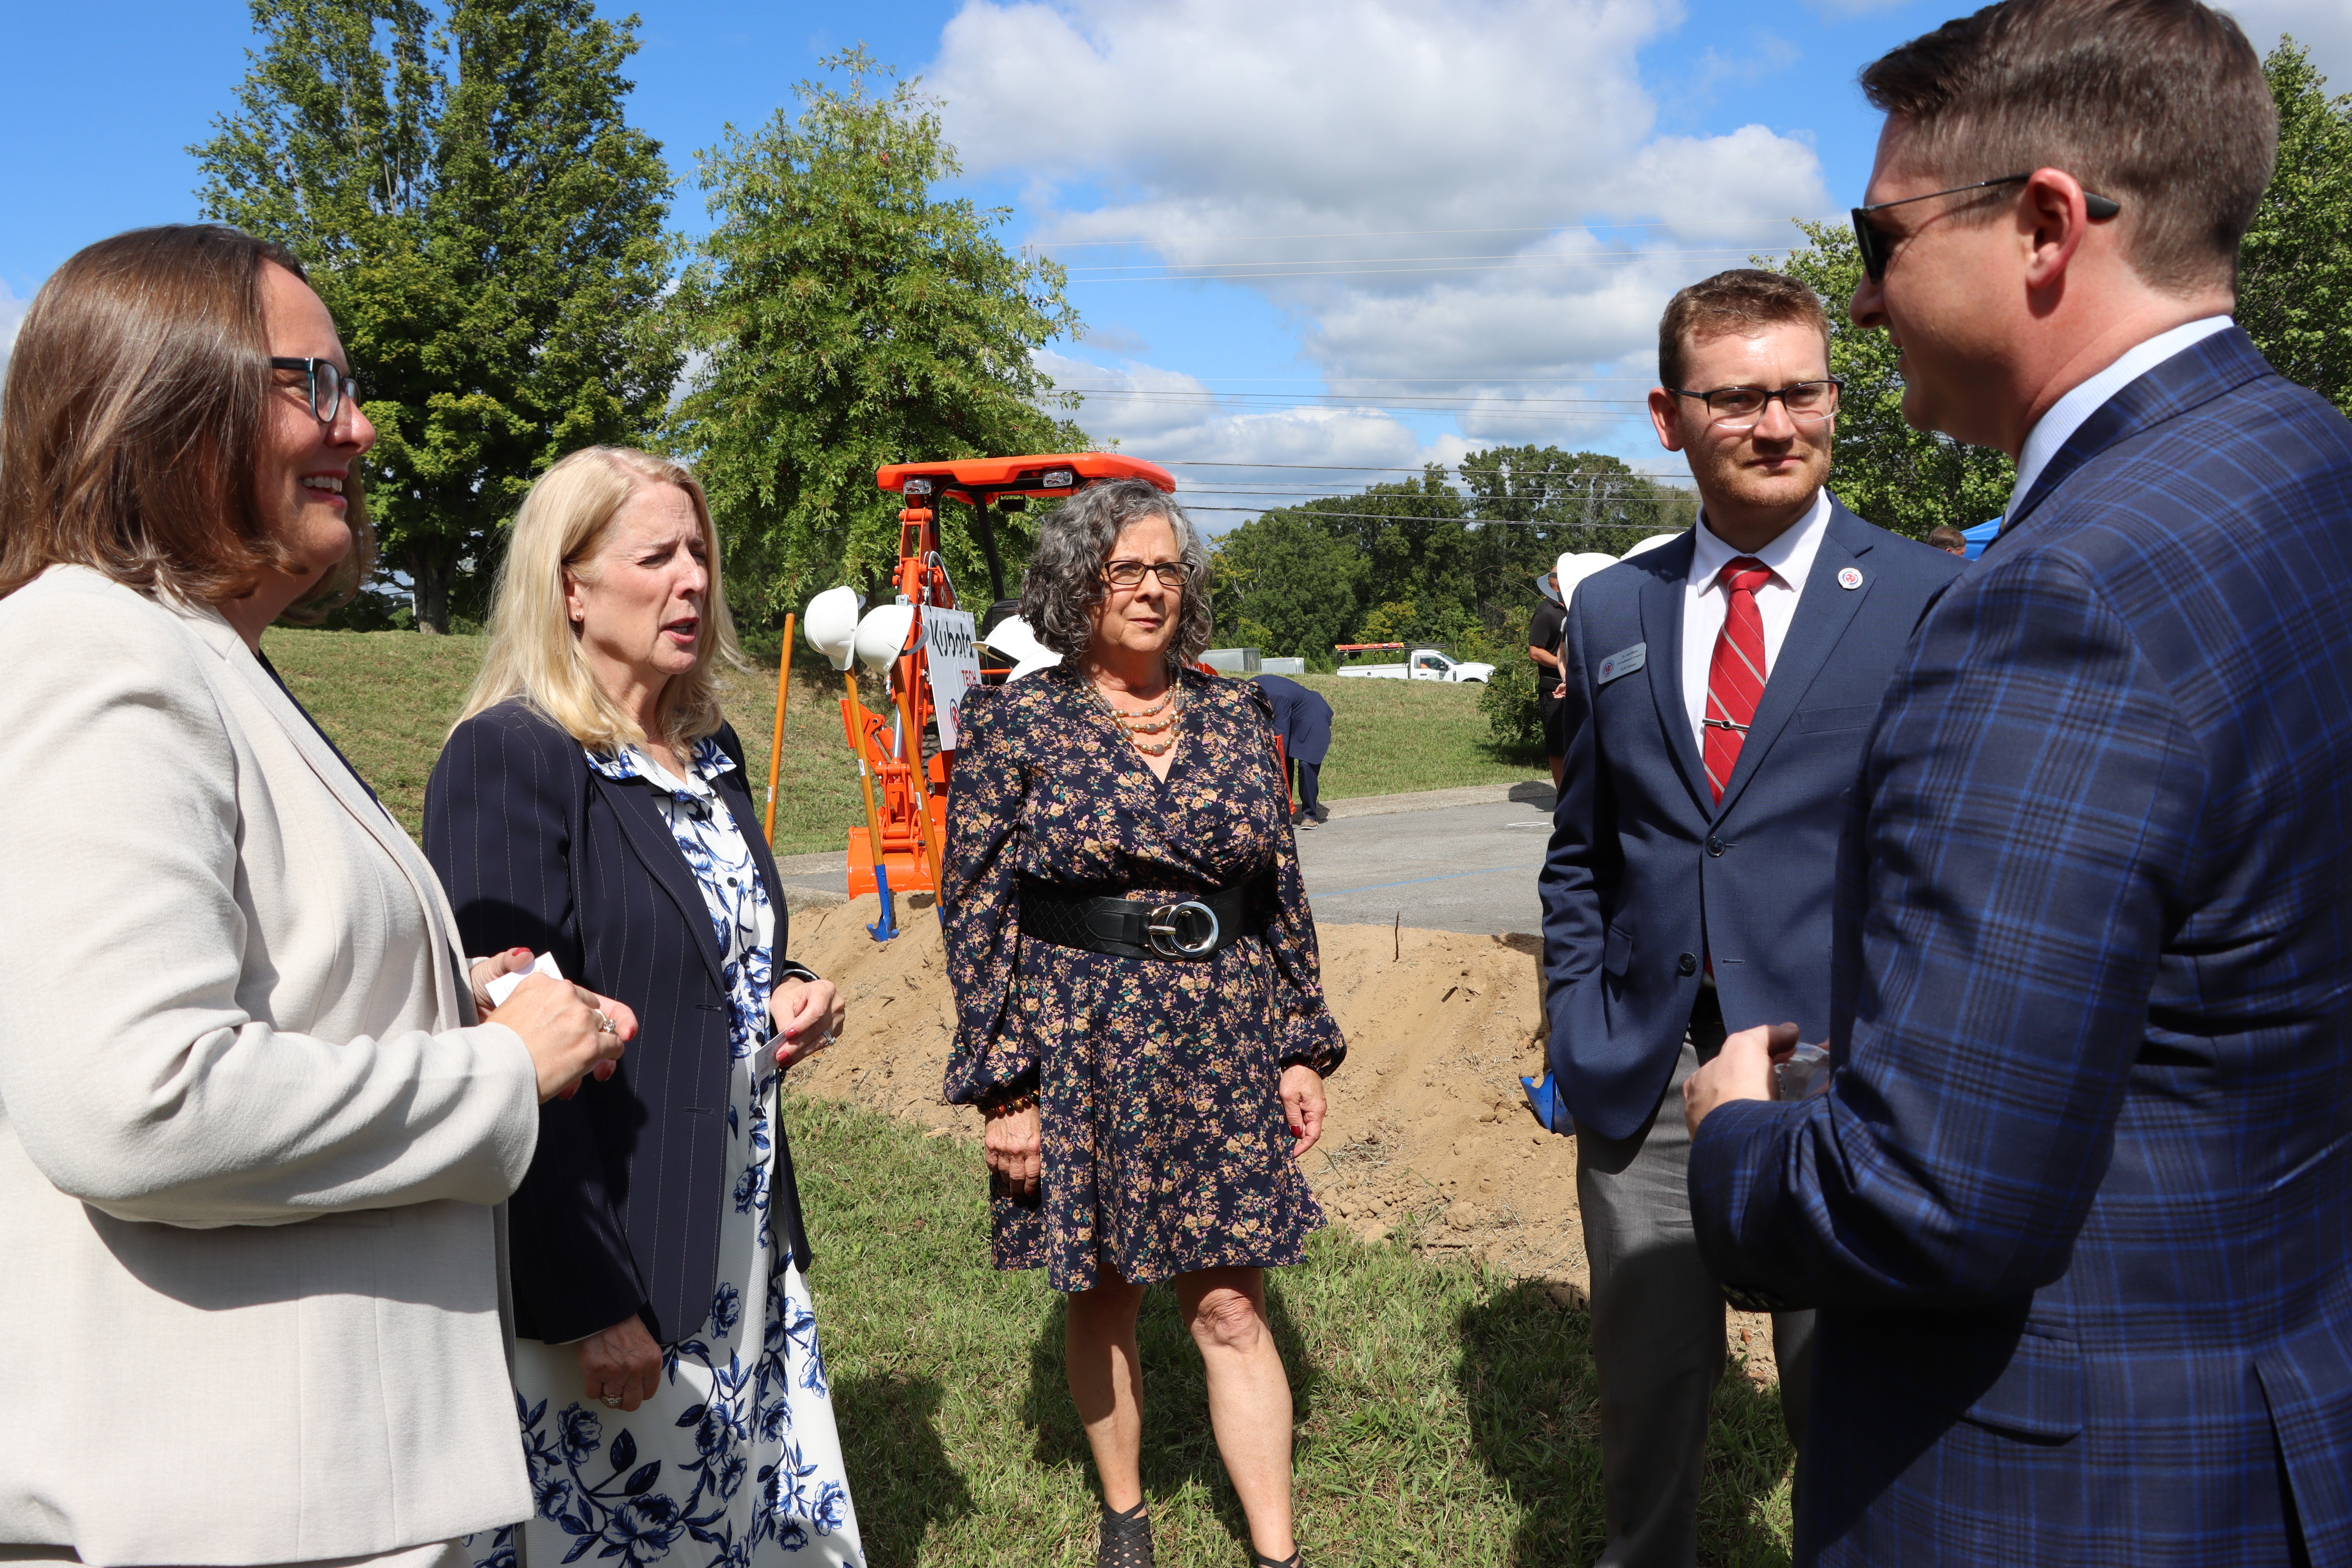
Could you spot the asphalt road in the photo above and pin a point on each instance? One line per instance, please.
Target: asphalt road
(1461, 860)
(1469, 868)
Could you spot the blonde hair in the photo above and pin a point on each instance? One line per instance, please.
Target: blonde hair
(534, 648)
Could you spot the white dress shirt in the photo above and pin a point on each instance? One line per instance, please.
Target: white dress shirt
(1706, 601)
(2066, 415)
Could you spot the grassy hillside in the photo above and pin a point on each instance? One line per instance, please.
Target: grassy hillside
(1391, 736)
(388, 698)
(1446, 1412)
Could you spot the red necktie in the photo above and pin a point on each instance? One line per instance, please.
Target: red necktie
(1735, 677)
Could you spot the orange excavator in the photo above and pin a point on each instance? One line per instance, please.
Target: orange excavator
(904, 785)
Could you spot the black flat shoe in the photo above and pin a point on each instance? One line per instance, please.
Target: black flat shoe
(1260, 1560)
(1126, 1539)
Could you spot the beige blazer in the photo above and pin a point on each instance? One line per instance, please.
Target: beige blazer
(250, 1271)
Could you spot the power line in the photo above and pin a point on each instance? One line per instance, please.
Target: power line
(1561, 258)
(1324, 399)
(1465, 522)
(1406, 233)
(1359, 467)
(1373, 271)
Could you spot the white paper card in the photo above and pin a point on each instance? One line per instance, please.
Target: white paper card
(501, 988)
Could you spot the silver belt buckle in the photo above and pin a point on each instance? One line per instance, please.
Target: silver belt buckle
(1160, 931)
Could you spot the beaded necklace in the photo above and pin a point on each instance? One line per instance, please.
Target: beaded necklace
(1159, 719)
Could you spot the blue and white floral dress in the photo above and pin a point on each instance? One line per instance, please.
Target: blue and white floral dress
(735, 1461)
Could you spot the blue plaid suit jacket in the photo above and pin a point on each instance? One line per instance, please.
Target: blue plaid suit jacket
(2074, 1210)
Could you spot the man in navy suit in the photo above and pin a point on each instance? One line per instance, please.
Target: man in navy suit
(1717, 692)
(1303, 719)
(2074, 1210)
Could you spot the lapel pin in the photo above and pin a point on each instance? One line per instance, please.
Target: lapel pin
(1851, 578)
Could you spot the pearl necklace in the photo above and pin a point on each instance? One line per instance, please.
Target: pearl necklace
(1145, 721)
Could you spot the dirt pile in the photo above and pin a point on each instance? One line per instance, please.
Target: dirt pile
(1429, 1137)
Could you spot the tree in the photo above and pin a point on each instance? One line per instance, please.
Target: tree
(2294, 268)
(850, 320)
(1284, 583)
(485, 227)
(1899, 477)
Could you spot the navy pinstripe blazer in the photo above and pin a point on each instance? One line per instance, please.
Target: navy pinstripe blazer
(619, 1211)
(2075, 1209)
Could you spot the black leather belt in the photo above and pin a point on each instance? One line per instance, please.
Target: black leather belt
(1181, 929)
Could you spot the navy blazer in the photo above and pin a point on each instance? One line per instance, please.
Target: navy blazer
(2077, 1209)
(619, 1211)
(1647, 873)
(1301, 717)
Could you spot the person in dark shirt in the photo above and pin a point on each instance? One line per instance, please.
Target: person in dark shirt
(1543, 647)
(1303, 719)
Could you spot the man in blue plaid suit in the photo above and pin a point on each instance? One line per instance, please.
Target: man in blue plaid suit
(2073, 1211)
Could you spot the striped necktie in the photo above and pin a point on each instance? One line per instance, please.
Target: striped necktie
(1735, 677)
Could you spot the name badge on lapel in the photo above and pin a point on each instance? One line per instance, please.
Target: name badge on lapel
(1625, 661)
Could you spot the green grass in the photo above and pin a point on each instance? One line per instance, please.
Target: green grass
(1390, 737)
(1444, 1411)
(388, 698)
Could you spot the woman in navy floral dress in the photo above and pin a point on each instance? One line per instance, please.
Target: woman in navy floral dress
(1149, 1092)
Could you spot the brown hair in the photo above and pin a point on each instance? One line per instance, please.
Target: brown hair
(1944, 536)
(131, 425)
(2157, 103)
(1742, 301)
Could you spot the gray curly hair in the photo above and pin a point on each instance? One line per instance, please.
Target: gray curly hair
(1065, 586)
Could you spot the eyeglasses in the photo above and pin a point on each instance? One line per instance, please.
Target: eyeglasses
(330, 384)
(1877, 246)
(1742, 407)
(1129, 574)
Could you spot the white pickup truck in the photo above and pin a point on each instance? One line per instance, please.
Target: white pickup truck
(1422, 663)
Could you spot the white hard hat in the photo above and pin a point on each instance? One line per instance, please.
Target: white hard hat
(1015, 639)
(1642, 546)
(882, 635)
(831, 624)
(1575, 566)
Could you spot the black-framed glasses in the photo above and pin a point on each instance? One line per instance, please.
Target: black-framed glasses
(1877, 246)
(1742, 407)
(330, 384)
(1129, 574)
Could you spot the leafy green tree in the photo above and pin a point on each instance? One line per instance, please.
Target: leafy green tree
(471, 203)
(851, 318)
(2294, 268)
(1284, 583)
(1890, 474)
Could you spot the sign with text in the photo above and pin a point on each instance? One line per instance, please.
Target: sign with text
(954, 657)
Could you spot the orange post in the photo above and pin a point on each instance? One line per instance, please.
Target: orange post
(776, 751)
(853, 714)
(918, 779)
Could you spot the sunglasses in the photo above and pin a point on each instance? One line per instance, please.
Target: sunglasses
(1877, 246)
(330, 384)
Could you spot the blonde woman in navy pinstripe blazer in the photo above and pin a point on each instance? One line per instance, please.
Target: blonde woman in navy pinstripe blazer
(592, 804)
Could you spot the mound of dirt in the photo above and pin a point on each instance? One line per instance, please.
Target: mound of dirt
(1429, 1137)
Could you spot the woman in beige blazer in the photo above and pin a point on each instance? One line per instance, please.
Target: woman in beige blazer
(252, 1139)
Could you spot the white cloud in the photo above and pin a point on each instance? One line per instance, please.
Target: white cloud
(1474, 198)
(2323, 27)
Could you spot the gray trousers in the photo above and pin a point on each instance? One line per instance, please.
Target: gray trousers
(1658, 1331)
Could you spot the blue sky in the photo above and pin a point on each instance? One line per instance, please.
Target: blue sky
(1353, 233)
